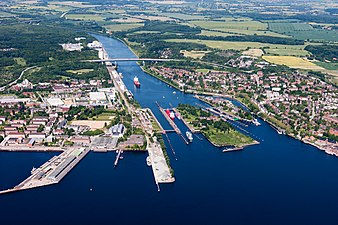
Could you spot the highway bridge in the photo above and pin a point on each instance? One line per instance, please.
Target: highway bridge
(131, 59)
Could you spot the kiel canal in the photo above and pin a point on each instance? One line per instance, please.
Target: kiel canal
(279, 181)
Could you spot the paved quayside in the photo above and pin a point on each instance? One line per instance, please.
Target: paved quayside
(52, 171)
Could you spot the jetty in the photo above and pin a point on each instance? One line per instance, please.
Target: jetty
(233, 149)
(118, 155)
(53, 171)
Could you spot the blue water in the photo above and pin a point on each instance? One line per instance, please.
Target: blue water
(280, 181)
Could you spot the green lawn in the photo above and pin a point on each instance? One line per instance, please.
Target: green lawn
(233, 138)
(217, 136)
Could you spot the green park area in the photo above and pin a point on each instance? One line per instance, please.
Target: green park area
(218, 132)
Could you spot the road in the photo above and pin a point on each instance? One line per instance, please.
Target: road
(15, 81)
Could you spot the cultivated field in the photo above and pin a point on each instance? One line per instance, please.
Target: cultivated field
(293, 62)
(243, 26)
(122, 26)
(231, 24)
(295, 50)
(215, 33)
(183, 16)
(303, 31)
(93, 17)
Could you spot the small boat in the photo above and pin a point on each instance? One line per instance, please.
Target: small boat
(174, 92)
(255, 121)
(189, 136)
(148, 161)
(33, 169)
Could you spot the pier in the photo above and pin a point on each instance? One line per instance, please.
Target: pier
(161, 169)
(233, 149)
(53, 171)
(119, 152)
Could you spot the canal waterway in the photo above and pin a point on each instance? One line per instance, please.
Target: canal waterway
(280, 181)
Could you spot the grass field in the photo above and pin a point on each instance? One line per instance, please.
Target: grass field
(147, 32)
(123, 26)
(20, 61)
(73, 4)
(293, 62)
(194, 54)
(215, 33)
(254, 52)
(182, 16)
(234, 25)
(328, 65)
(202, 70)
(127, 20)
(160, 18)
(231, 26)
(233, 138)
(80, 71)
(303, 31)
(287, 27)
(93, 17)
(295, 50)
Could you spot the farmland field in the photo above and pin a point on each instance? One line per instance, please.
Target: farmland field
(288, 27)
(293, 62)
(328, 65)
(183, 16)
(122, 26)
(275, 49)
(303, 31)
(93, 17)
(215, 33)
(234, 25)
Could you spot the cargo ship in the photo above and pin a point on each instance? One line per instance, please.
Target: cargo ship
(136, 82)
(189, 136)
(170, 114)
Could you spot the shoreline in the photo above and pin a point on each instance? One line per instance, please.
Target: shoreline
(273, 125)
